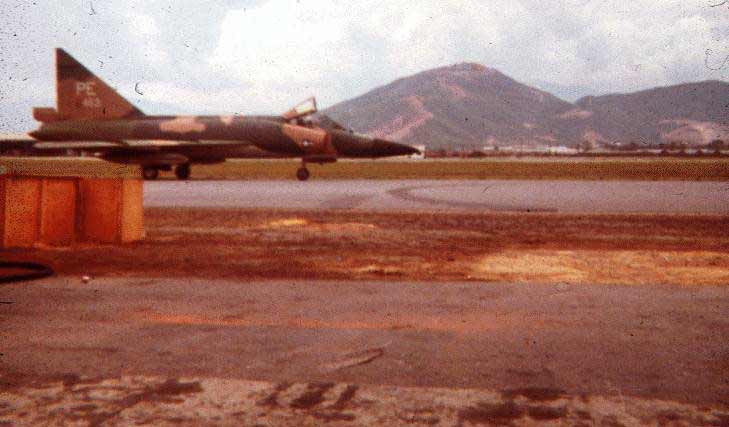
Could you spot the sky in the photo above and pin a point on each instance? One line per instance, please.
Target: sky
(263, 56)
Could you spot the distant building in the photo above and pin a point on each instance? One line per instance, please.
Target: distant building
(561, 149)
(498, 148)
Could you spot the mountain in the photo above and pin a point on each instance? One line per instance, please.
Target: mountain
(468, 105)
(693, 112)
(461, 105)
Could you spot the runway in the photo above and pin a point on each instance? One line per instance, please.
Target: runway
(343, 312)
(443, 196)
(664, 342)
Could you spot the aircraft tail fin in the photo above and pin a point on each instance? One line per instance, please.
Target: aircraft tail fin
(82, 95)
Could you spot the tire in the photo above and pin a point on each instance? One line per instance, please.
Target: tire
(29, 271)
(150, 173)
(302, 174)
(182, 171)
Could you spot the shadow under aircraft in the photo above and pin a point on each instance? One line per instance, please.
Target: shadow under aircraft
(92, 117)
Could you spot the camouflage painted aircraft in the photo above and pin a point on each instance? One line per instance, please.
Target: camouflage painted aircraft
(91, 117)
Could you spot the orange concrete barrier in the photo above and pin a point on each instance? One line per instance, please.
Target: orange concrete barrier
(111, 210)
(58, 211)
(41, 204)
(21, 201)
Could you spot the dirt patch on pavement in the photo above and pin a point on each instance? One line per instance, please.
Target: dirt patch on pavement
(607, 266)
(535, 247)
(130, 401)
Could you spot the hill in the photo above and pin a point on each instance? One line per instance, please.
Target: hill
(469, 105)
(694, 112)
(461, 105)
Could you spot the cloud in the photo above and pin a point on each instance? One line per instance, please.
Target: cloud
(143, 25)
(264, 56)
(608, 45)
(332, 48)
(174, 99)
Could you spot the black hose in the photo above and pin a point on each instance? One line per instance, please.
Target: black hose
(34, 271)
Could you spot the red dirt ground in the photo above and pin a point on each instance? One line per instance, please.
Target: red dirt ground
(530, 248)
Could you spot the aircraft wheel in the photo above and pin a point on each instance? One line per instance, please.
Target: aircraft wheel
(302, 174)
(183, 171)
(150, 172)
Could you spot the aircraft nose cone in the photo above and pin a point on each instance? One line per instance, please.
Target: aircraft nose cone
(384, 148)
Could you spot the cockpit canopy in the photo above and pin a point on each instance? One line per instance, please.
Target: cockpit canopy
(303, 109)
(305, 114)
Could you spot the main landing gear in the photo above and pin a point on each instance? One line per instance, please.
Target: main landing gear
(182, 171)
(150, 172)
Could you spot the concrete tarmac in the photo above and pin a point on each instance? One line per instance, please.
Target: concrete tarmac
(466, 195)
(665, 342)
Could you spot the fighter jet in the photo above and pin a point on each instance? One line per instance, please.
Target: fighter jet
(90, 116)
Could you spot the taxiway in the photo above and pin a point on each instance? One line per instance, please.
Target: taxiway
(440, 196)
(666, 342)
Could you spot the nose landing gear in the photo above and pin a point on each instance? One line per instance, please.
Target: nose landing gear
(302, 174)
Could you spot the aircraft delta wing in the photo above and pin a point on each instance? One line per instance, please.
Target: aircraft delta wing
(91, 116)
